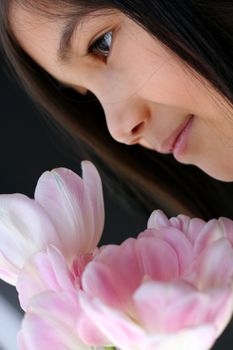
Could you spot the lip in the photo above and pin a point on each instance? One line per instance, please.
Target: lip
(181, 141)
(176, 142)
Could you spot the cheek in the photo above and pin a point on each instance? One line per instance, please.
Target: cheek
(166, 83)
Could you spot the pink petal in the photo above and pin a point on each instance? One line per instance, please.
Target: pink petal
(191, 228)
(214, 267)
(226, 226)
(157, 220)
(184, 222)
(75, 206)
(221, 307)
(200, 338)
(51, 322)
(178, 241)
(158, 259)
(62, 274)
(130, 262)
(195, 308)
(117, 258)
(99, 281)
(89, 333)
(24, 229)
(44, 271)
(117, 326)
(93, 188)
(209, 233)
(155, 300)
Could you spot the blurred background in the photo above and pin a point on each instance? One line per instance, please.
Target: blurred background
(27, 149)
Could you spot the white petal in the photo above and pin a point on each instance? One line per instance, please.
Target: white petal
(24, 229)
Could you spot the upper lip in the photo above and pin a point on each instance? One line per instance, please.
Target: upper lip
(168, 144)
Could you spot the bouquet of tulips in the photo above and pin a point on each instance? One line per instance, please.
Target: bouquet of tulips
(171, 288)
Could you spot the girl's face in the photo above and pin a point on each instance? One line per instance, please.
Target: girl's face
(148, 95)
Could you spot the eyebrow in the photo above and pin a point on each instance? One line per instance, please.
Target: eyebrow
(64, 50)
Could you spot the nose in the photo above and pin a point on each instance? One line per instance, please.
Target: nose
(127, 121)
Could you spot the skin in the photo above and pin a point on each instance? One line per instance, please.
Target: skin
(145, 90)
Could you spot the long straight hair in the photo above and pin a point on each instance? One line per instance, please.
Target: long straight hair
(200, 34)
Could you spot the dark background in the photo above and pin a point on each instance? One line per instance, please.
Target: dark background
(27, 149)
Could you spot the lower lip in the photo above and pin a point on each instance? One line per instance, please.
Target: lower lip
(181, 142)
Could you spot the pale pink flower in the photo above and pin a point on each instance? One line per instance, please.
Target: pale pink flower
(50, 272)
(67, 212)
(46, 244)
(171, 288)
(48, 292)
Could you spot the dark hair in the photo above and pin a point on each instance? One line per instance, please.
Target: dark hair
(200, 33)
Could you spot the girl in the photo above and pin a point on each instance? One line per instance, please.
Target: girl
(145, 86)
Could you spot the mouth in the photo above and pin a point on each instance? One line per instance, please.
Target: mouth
(177, 141)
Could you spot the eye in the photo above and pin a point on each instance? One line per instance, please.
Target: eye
(102, 46)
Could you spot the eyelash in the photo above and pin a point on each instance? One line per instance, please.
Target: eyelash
(94, 50)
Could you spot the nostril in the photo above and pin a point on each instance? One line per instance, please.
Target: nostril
(137, 128)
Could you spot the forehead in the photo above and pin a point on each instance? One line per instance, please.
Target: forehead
(37, 33)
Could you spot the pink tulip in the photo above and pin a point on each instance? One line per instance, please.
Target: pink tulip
(171, 288)
(67, 212)
(48, 292)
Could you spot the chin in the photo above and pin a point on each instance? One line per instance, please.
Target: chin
(218, 173)
(216, 170)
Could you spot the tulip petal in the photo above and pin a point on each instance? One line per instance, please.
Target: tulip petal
(99, 278)
(89, 333)
(212, 231)
(117, 258)
(93, 188)
(191, 227)
(226, 226)
(200, 338)
(220, 312)
(158, 259)
(178, 241)
(184, 222)
(43, 271)
(157, 220)
(116, 326)
(50, 323)
(155, 300)
(214, 266)
(209, 233)
(24, 229)
(75, 206)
